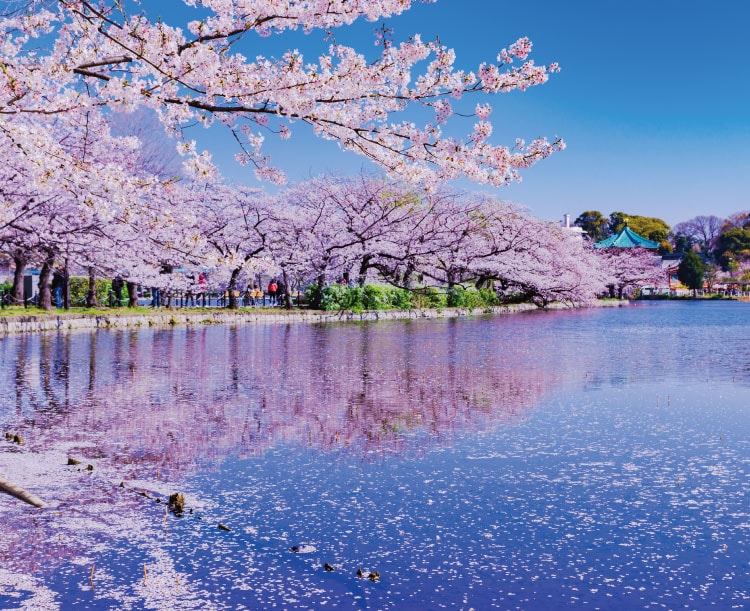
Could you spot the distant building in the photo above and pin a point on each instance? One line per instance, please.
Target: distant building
(573, 230)
(627, 238)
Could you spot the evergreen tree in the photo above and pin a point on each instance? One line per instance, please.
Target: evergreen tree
(594, 223)
(691, 272)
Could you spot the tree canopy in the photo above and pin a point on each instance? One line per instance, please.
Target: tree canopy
(702, 230)
(197, 67)
(599, 227)
(692, 271)
(734, 244)
(594, 223)
(652, 228)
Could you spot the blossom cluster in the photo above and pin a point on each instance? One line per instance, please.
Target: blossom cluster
(196, 71)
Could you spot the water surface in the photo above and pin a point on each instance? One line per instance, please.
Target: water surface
(596, 458)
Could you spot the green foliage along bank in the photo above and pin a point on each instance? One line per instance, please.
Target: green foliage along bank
(380, 297)
(79, 288)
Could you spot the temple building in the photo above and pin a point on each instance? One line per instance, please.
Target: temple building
(627, 239)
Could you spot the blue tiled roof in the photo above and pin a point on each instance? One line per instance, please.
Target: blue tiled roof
(626, 239)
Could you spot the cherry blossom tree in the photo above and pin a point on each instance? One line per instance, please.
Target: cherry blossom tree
(76, 190)
(629, 268)
(463, 238)
(350, 225)
(196, 70)
(54, 204)
(500, 244)
(309, 240)
(426, 231)
(235, 224)
(332, 227)
(562, 268)
(19, 200)
(147, 239)
(360, 228)
(87, 198)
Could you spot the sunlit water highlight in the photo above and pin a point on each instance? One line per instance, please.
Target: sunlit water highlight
(595, 458)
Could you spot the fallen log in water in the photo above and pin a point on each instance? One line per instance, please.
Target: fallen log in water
(20, 493)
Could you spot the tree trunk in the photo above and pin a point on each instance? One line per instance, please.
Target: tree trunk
(483, 282)
(45, 295)
(287, 293)
(66, 287)
(132, 294)
(233, 303)
(91, 294)
(408, 273)
(364, 266)
(318, 296)
(17, 295)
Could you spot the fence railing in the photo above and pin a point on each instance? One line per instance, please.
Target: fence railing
(6, 299)
(203, 299)
(172, 299)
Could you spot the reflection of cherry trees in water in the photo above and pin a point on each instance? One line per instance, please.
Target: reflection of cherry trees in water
(522, 511)
(173, 400)
(152, 407)
(391, 384)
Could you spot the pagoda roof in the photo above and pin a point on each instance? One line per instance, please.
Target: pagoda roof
(627, 238)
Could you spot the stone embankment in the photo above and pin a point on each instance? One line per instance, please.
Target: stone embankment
(161, 318)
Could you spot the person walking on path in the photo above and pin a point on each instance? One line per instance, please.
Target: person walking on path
(117, 285)
(281, 292)
(58, 284)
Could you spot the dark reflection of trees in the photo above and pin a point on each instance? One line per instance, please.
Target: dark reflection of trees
(178, 398)
(19, 372)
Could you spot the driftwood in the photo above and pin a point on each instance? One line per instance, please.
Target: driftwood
(21, 494)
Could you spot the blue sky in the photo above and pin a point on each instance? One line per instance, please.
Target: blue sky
(653, 101)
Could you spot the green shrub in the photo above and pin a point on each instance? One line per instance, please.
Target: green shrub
(489, 297)
(380, 297)
(455, 298)
(345, 297)
(330, 297)
(334, 297)
(401, 299)
(459, 297)
(482, 298)
(376, 297)
(313, 296)
(79, 288)
(428, 297)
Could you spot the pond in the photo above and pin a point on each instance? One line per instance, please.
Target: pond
(594, 458)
